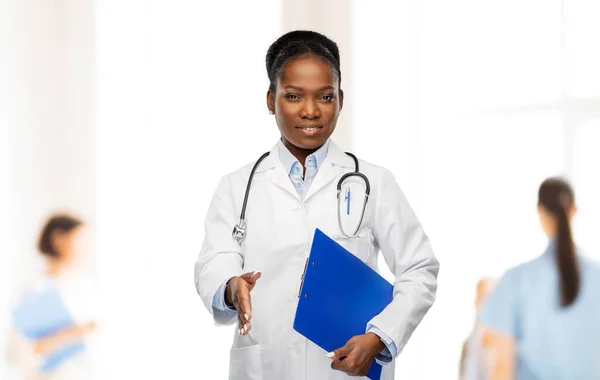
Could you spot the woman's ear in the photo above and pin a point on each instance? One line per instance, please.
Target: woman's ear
(271, 102)
(573, 211)
(341, 99)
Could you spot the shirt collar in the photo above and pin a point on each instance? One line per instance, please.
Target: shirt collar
(552, 247)
(288, 159)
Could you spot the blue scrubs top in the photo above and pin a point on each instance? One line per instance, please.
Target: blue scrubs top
(551, 342)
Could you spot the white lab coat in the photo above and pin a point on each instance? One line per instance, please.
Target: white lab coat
(81, 298)
(277, 243)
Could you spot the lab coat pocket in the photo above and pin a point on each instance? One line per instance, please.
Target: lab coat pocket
(361, 246)
(245, 363)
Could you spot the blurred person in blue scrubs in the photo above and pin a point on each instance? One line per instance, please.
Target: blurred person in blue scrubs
(542, 319)
(62, 244)
(474, 363)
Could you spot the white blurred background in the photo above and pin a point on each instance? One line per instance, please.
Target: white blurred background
(128, 112)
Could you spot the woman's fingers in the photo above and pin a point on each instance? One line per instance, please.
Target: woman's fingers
(244, 327)
(243, 302)
(244, 309)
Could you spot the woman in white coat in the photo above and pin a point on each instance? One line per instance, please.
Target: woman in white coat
(62, 244)
(254, 283)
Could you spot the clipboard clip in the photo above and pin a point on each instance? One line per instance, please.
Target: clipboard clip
(302, 278)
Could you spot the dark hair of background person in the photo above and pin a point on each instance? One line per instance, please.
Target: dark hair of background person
(557, 197)
(62, 223)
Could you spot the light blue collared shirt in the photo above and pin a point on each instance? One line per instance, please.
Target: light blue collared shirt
(295, 169)
(302, 183)
(551, 342)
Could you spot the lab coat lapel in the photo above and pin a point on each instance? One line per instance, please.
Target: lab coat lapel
(327, 172)
(278, 176)
(324, 176)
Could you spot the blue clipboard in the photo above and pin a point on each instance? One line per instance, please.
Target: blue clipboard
(41, 314)
(339, 295)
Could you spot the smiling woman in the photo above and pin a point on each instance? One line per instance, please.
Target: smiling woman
(304, 91)
(252, 281)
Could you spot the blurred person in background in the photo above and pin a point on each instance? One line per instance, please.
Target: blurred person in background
(542, 318)
(62, 243)
(473, 361)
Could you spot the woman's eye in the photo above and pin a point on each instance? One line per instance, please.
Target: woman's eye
(327, 98)
(292, 96)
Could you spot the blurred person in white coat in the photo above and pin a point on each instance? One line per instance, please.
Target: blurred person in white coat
(62, 243)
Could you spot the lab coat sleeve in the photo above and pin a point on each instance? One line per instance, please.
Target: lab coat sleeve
(19, 357)
(389, 351)
(219, 301)
(220, 257)
(407, 252)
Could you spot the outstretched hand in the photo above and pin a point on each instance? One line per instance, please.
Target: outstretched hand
(237, 293)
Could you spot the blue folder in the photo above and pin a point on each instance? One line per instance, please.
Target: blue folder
(41, 314)
(339, 295)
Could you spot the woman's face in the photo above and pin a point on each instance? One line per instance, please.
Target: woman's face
(70, 245)
(307, 102)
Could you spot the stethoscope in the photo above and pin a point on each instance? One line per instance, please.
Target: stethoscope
(239, 230)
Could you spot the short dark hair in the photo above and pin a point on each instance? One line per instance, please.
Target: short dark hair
(64, 223)
(296, 43)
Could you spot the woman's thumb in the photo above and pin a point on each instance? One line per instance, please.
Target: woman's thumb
(251, 277)
(339, 353)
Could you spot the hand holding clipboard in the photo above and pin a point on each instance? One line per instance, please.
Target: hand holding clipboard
(330, 318)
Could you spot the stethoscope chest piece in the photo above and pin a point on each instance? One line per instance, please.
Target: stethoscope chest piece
(239, 231)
